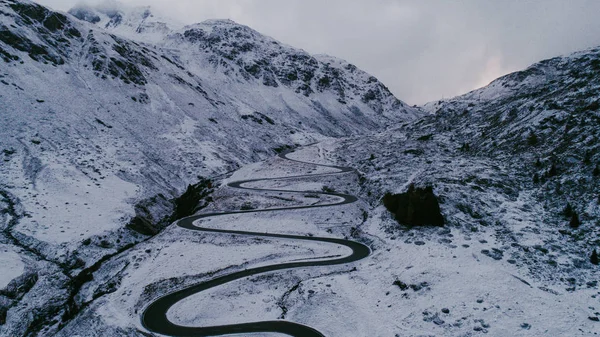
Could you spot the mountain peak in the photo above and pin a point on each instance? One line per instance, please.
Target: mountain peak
(227, 29)
(138, 23)
(221, 22)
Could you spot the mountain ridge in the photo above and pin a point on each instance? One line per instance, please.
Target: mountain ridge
(99, 129)
(105, 124)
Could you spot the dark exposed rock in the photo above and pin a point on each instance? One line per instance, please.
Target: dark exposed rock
(568, 211)
(594, 258)
(130, 65)
(403, 286)
(415, 207)
(20, 286)
(495, 253)
(3, 312)
(269, 80)
(193, 199)
(18, 42)
(369, 96)
(152, 214)
(7, 57)
(30, 12)
(142, 225)
(438, 321)
(150, 219)
(574, 223)
(417, 287)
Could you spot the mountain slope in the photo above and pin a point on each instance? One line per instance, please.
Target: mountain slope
(152, 118)
(548, 97)
(98, 127)
(545, 118)
(516, 168)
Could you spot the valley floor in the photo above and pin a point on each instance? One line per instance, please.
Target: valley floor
(418, 282)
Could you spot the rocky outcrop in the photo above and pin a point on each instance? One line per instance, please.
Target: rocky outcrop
(154, 214)
(415, 207)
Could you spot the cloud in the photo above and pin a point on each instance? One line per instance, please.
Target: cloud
(422, 50)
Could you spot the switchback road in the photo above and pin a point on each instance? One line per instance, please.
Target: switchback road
(155, 317)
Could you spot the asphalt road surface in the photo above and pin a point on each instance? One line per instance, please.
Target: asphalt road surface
(155, 318)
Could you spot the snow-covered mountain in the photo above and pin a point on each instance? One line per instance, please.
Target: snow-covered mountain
(516, 167)
(87, 111)
(545, 119)
(137, 23)
(547, 99)
(109, 112)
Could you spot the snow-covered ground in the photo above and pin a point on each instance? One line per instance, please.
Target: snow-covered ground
(111, 112)
(417, 282)
(189, 257)
(12, 265)
(141, 107)
(122, 106)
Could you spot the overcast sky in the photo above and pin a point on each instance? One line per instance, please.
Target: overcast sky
(423, 49)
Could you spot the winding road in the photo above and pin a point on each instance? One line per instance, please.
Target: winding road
(155, 317)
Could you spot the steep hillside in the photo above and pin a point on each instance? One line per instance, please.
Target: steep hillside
(137, 23)
(545, 120)
(110, 113)
(516, 167)
(87, 111)
(554, 100)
